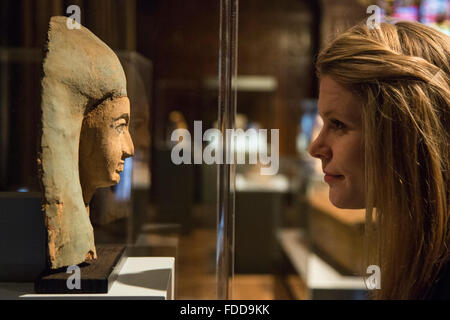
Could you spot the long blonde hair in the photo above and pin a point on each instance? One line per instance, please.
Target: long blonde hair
(401, 73)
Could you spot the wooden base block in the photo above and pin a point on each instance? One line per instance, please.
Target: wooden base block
(95, 277)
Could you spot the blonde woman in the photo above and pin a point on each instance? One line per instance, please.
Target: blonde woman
(385, 100)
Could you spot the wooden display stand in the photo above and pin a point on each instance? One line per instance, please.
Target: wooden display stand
(96, 276)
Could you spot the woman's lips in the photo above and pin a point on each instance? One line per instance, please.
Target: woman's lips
(331, 177)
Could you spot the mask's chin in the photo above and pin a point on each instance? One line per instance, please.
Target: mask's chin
(115, 178)
(109, 181)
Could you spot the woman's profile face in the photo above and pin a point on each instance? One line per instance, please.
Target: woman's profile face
(105, 143)
(340, 144)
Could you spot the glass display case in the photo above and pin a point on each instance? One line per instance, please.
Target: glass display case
(157, 210)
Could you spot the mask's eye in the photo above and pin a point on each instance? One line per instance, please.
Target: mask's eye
(121, 125)
(121, 128)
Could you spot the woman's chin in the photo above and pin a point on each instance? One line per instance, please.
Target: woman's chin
(349, 202)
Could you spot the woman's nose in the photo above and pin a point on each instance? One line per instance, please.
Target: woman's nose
(318, 148)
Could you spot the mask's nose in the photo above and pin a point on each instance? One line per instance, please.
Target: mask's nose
(129, 147)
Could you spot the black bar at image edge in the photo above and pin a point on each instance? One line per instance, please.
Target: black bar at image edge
(228, 309)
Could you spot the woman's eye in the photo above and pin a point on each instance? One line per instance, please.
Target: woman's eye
(337, 124)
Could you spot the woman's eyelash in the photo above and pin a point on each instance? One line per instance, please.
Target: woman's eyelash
(337, 124)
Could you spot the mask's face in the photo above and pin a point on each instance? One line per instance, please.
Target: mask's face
(105, 143)
(340, 145)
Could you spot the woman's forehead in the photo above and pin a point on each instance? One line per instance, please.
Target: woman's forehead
(336, 99)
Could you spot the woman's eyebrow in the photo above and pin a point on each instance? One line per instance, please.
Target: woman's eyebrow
(327, 113)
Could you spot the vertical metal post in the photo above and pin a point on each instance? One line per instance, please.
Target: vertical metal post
(226, 171)
(4, 117)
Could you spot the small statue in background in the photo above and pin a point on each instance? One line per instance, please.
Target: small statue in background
(84, 139)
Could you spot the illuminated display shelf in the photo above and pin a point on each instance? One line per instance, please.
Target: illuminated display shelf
(146, 278)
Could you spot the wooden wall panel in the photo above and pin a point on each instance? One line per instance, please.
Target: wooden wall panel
(276, 38)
